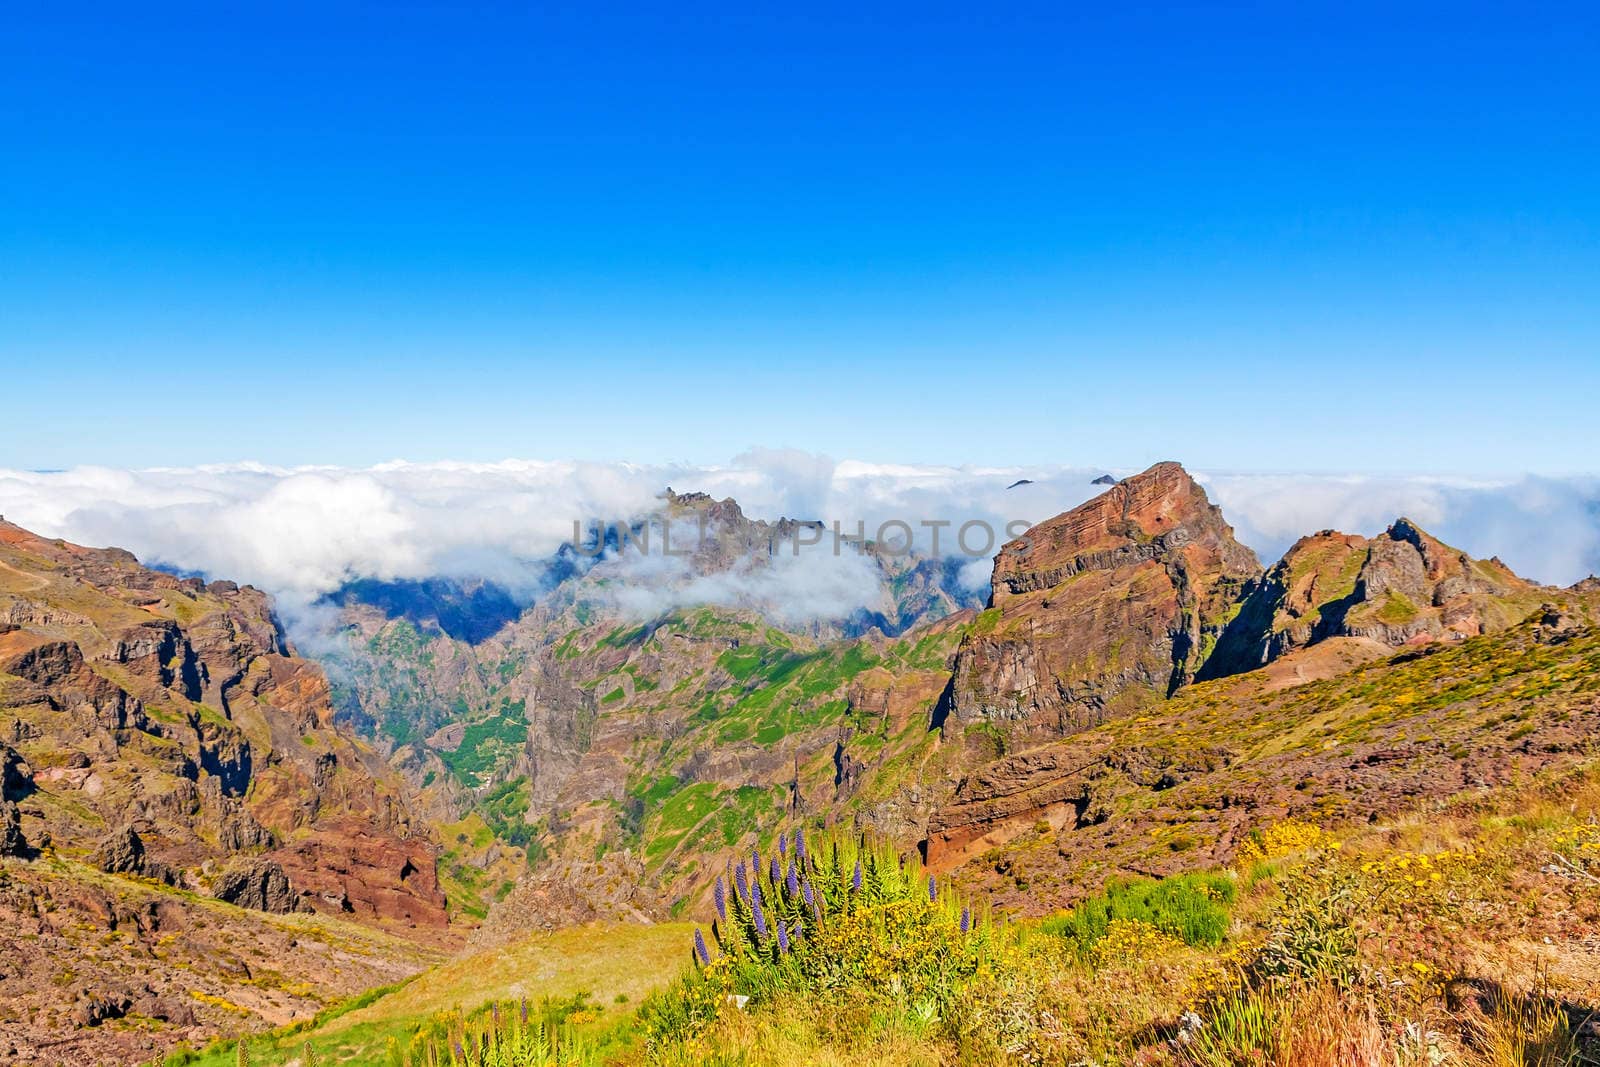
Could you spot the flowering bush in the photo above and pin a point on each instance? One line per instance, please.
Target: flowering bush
(844, 920)
(1406, 879)
(1285, 838)
(1578, 848)
(1133, 939)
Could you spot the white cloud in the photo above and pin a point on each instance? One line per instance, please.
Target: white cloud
(300, 533)
(790, 589)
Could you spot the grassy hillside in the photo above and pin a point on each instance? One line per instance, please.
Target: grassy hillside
(1467, 934)
(606, 970)
(1179, 787)
(1463, 935)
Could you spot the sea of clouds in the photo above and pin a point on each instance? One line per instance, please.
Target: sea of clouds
(301, 533)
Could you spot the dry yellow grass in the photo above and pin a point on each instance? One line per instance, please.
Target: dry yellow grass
(606, 960)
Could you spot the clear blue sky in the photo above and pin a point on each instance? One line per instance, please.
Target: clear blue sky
(1323, 237)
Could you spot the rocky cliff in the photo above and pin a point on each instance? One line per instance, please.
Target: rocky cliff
(1101, 610)
(1342, 730)
(140, 707)
(174, 797)
(1126, 602)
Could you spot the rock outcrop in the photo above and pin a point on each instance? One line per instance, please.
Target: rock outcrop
(12, 843)
(1179, 787)
(260, 884)
(1098, 611)
(121, 852)
(1401, 587)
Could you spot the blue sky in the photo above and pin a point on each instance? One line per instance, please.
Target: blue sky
(1343, 237)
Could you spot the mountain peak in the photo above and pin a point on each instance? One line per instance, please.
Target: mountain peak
(1150, 557)
(1142, 516)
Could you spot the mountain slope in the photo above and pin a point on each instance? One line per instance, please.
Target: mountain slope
(1344, 730)
(146, 703)
(166, 756)
(660, 705)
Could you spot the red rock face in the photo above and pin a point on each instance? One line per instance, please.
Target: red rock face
(1114, 583)
(143, 702)
(1102, 609)
(1180, 788)
(346, 867)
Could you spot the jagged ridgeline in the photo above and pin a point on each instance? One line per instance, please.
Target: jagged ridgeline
(621, 722)
(622, 713)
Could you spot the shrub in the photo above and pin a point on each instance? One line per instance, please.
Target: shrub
(1192, 908)
(843, 921)
(1242, 1028)
(1285, 838)
(1312, 935)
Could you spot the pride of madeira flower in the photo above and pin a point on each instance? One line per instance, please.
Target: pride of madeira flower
(843, 915)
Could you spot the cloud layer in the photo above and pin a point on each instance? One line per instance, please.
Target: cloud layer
(301, 533)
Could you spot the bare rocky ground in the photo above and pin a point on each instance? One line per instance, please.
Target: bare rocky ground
(98, 968)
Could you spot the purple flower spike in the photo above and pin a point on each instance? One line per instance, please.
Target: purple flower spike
(792, 882)
(700, 947)
(783, 937)
(933, 889)
(719, 896)
(741, 883)
(783, 844)
(755, 862)
(855, 879)
(759, 915)
(774, 872)
(966, 920)
(523, 1011)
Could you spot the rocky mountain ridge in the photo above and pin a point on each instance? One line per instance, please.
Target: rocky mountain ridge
(702, 728)
(1402, 587)
(186, 837)
(1136, 693)
(166, 725)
